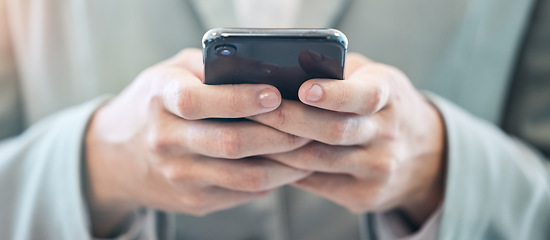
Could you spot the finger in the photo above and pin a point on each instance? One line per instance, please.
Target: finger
(249, 175)
(320, 157)
(216, 198)
(357, 196)
(170, 136)
(190, 59)
(353, 62)
(329, 127)
(187, 97)
(205, 200)
(376, 161)
(238, 139)
(366, 91)
(335, 187)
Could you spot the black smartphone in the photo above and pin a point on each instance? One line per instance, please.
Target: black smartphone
(284, 58)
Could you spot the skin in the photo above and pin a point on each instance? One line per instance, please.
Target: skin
(383, 146)
(154, 146)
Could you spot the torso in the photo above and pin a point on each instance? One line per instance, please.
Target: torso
(71, 51)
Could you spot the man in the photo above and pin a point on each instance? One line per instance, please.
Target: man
(371, 143)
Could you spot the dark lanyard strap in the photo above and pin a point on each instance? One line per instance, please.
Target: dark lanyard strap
(371, 229)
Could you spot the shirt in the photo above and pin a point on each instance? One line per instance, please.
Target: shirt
(283, 14)
(65, 52)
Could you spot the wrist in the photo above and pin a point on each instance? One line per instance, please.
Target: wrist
(110, 210)
(420, 207)
(429, 194)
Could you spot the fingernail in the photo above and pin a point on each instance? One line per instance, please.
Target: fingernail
(315, 93)
(315, 56)
(268, 98)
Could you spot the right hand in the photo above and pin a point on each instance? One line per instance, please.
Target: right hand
(150, 147)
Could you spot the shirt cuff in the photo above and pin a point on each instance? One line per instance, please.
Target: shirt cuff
(391, 226)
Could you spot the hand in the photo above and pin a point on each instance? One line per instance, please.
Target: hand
(378, 143)
(148, 146)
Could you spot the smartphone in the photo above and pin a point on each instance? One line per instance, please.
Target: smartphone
(284, 58)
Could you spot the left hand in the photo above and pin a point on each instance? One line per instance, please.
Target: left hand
(379, 144)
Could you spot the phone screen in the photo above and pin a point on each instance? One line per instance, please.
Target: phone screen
(284, 61)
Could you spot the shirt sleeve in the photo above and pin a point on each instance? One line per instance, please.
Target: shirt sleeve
(496, 186)
(41, 178)
(11, 113)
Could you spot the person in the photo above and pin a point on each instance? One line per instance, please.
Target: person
(369, 157)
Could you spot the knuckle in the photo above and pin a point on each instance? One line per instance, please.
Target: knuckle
(340, 130)
(390, 132)
(312, 153)
(378, 90)
(294, 141)
(174, 174)
(158, 142)
(154, 103)
(230, 143)
(279, 118)
(374, 100)
(254, 180)
(382, 167)
(170, 174)
(236, 101)
(186, 103)
(316, 153)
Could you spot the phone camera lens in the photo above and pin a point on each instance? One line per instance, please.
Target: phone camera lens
(225, 50)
